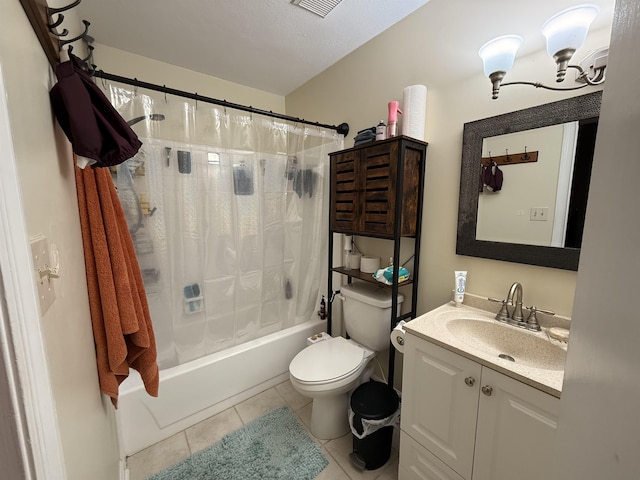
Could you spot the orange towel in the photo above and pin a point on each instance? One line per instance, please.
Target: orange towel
(122, 327)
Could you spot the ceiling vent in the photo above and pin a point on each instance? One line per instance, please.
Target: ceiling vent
(319, 7)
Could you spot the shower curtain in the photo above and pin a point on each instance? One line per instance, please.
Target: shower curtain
(229, 216)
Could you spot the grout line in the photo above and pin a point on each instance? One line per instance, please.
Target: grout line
(186, 437)
(335, 460)
(238, 414)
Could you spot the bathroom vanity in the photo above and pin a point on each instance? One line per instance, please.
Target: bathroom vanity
(468, 413)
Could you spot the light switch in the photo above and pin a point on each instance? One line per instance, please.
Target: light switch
(44, 272)
(539, 214)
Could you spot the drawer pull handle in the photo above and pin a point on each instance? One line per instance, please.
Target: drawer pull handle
(487, 390)
(470, 381)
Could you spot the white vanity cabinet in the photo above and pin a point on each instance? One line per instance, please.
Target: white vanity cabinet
(463, 421)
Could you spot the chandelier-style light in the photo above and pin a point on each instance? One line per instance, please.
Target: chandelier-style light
(565, 32)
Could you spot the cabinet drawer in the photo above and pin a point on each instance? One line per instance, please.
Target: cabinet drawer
(417, 463)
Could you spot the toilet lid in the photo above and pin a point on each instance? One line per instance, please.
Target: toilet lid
(326, 361)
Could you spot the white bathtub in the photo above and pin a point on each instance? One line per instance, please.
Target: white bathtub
(194, 391)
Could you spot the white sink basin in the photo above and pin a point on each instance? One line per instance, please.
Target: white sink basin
(509, 343)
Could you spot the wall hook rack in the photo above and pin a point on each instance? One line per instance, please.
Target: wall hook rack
(45, 22)
(510, 158)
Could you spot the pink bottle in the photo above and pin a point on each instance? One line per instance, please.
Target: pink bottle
(392, 123)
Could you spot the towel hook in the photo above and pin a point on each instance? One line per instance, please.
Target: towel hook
(85, 59)
(56, 24)
(526, 155)
(53, 11)
(508, 158)
(79, 37)
(64, 31)
(58, 11)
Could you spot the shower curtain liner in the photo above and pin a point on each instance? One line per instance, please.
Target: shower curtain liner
(229, 216)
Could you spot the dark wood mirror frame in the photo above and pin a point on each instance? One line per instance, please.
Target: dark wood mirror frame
(577, 108)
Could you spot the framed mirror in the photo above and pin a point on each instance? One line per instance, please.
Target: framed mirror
(568, 184)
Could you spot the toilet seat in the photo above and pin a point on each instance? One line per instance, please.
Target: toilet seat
(327, 361)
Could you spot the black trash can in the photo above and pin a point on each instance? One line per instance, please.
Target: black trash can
(372, 401)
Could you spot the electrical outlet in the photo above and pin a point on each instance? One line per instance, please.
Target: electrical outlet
(539, 214)
(43, 268)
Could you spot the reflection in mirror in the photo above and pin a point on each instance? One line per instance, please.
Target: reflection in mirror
(499, 225)
(534, 204)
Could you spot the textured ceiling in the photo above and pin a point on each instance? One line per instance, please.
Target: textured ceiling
(271, 45)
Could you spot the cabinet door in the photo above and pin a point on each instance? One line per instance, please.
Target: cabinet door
(378, 181)
(440, 402)
(417, 463)
(516, 430)
(345, 192)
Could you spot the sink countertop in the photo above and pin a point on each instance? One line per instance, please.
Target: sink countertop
(432, 326)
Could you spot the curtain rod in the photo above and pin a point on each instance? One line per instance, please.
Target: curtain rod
(343, 128)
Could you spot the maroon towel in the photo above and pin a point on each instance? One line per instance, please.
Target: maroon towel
(492, 177)
(94, 128)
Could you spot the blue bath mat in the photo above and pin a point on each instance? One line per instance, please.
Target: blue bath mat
(273, 446)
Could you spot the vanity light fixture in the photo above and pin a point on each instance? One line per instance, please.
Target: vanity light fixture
(565, 33)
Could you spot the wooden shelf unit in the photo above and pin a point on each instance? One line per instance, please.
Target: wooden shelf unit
(377, 191)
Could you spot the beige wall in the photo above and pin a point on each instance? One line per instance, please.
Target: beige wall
(87, 429)
(504, 216)
(357, 90)
(119, 62)
(599, 421)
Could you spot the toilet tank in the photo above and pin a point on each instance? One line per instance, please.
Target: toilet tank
(367, 313)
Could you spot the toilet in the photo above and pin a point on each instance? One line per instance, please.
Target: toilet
(327, 371)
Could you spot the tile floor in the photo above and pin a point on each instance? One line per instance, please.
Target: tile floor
(178, 447)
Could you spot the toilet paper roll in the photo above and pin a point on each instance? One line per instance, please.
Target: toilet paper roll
(369, 264)
(354, 261)
(397, 336)
(414, 102)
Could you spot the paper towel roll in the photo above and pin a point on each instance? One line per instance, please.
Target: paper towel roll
(414, 103)
(397, 336)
